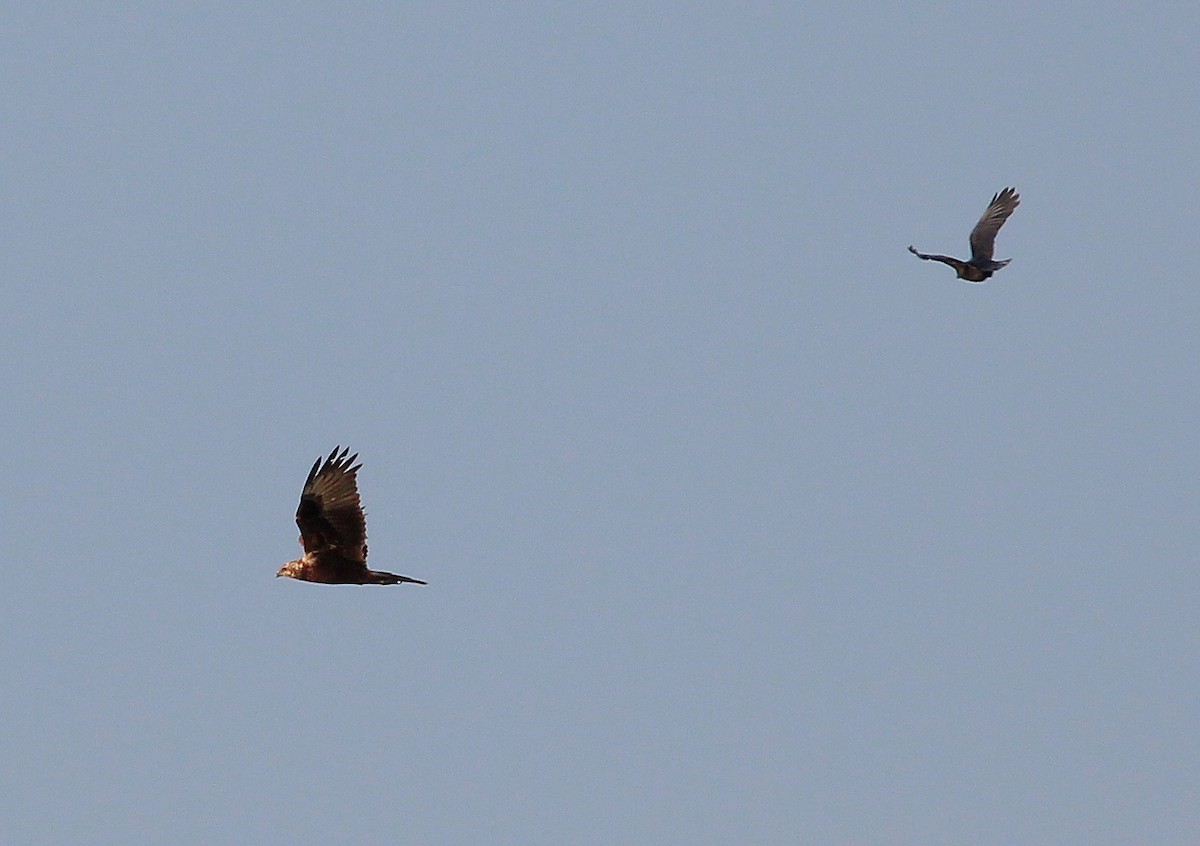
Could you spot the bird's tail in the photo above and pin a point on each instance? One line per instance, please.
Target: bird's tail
(378, 577)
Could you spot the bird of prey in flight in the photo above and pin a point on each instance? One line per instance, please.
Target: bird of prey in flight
(333, 528)
(981, 265)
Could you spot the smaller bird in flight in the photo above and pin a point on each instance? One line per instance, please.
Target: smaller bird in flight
(333, 528)
(983, 240)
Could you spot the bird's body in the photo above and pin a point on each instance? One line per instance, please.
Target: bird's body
(981, 265)
(333, 528)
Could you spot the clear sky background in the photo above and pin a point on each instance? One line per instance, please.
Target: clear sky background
(741, 524)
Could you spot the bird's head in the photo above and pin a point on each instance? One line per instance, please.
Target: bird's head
(290, 569)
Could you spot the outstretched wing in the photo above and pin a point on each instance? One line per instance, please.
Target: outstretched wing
(330, 515)
(983, 236)
(953, 262)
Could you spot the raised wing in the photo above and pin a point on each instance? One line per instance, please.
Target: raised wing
(983, 236)
(330, 515)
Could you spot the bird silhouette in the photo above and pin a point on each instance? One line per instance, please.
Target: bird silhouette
(981, 265)
(333, 528)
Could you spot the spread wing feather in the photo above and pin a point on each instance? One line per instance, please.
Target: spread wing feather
(983, 236)
(330, 515)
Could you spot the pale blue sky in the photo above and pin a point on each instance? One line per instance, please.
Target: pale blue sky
(742, 525)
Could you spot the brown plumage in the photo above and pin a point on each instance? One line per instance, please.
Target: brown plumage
(983, 240)
(333, 528)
